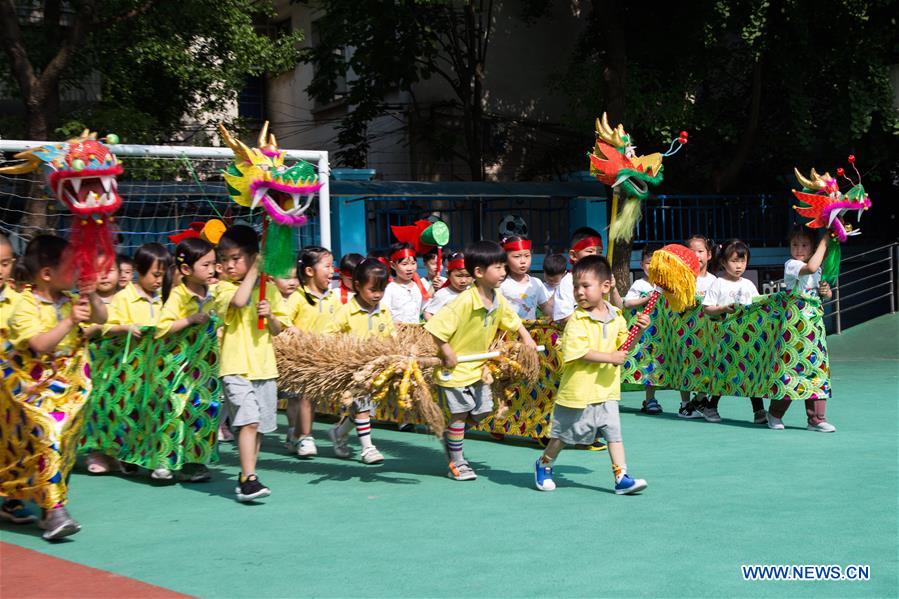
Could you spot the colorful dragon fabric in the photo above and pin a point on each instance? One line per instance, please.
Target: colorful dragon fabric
(82, 173)
(259, 177)
(615, 163)
(822, 201)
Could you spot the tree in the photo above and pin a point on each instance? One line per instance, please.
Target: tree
(394, 46)
(761, 87)
(159, 60)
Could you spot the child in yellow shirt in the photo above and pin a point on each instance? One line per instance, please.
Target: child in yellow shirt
(190, 301)
(247, 367)
(45, 385)
(590, 389)
(9, 297)
(363, 317)
(468, 326)
(311, 309)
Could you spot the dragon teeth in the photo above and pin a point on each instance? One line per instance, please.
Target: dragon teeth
(106, 182)
(257, 197)
(76, 184)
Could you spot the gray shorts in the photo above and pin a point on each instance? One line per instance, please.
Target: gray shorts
(574, 426)
(251, 402)
(362, 404)
(476, 399)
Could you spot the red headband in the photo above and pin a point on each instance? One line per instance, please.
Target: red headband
(518, 245)
(587, 242)
(346, 273)
(457, 264)
(400, 255)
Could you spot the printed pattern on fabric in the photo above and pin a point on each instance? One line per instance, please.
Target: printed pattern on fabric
(159, 405)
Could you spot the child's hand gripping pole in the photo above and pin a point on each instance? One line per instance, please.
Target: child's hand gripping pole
(636, 330)
(445, 374)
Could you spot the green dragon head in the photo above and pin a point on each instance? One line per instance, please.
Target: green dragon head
(258, 177)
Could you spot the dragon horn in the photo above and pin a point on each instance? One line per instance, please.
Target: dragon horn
(239, 148)
(31, 163)
(822, 179)
(814, 183)
(619, 136)
(605, 132)
(262, 135)
(272, 141)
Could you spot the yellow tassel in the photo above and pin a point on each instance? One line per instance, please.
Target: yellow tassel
(623, 227)
(675, 278)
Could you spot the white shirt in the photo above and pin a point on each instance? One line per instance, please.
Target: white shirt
(704, 282)
(640, 288)
(725, 293)
(403, 301)
(525, 296)
(563, 298)
(807, 283)
(441, 298)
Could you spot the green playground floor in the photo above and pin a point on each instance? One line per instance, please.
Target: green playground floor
(720, 495)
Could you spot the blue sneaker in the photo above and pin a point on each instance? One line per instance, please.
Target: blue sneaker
(543, 477)
(629, 485)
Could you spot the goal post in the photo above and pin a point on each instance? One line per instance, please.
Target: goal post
(163, 189)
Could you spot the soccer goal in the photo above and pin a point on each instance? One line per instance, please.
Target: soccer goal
(164, 189)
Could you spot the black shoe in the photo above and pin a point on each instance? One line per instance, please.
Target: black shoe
(251, 489)
(407, 427)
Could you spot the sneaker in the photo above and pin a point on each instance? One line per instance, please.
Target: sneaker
(759, 417)
(597, 445)
(341, 449)
(162, 474)
(688, 410)
(774, 423)
(628, 485)
(58, 524)
(15, 511)
(461, 471)
(543, 477)
(822, 427)
(651, 406)
(306, 447)
(371, 455)
(711, 414)
(195, 473)
(251, 489)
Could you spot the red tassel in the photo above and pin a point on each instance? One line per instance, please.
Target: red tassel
(91, 247)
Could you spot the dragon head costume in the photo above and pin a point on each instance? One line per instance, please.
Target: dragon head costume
(259, 177)
(82, 173)
(822, 201)
(615, 163)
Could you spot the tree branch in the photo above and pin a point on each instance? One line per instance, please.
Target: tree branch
(14, 46)
(135, 12)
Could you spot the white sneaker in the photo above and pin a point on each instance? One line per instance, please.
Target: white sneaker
(774, 423)
(371, 455)
(341, 449)
(822, 427)
(162, 474)
(306, 448)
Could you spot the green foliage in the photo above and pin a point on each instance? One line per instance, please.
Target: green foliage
(175, 59)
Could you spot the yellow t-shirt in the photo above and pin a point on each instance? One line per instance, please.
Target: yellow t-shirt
(182, 302)
(584, 383)
(353, 319)
(34, 315)
(470, 328)
(131, 306)
(245, 350)
(314, 317)
(9, 297)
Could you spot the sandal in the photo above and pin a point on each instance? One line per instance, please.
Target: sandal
(651, 406)
(99, 463)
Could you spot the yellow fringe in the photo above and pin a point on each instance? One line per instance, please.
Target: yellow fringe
(623, 227)
(675, 278)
